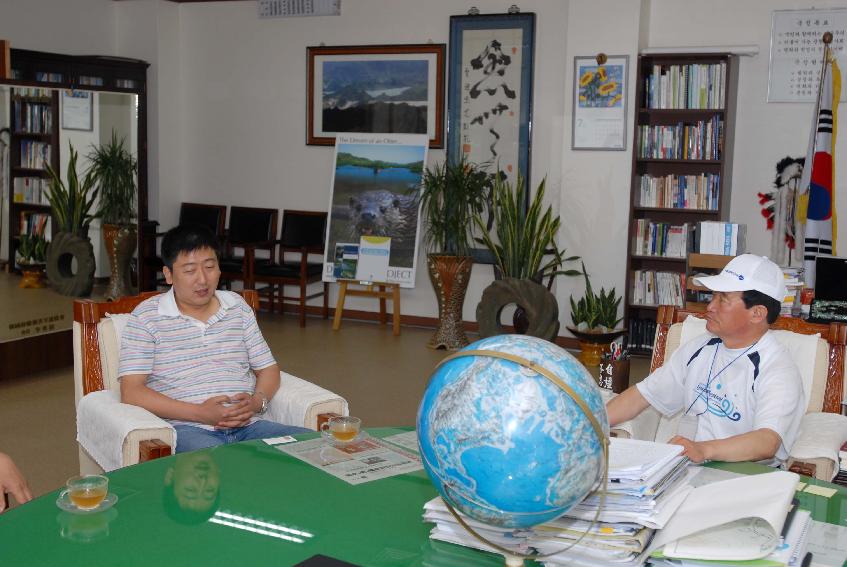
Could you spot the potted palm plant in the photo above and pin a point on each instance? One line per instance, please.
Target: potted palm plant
(525, 253)
(31, 256)
(71, 205)
(114, 171)
(451, 195)
(595, 318)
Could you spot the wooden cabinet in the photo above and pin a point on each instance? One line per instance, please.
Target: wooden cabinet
(34, 120)
(681, 174)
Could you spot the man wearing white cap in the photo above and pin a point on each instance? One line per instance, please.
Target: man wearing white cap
(740, 393)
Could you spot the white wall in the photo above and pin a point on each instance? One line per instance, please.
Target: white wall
(76, 27)
(244, 103)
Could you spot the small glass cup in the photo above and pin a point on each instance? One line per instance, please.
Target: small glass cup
(341, 429)
(86, 492)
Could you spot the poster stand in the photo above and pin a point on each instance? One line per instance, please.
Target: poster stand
(378, 290)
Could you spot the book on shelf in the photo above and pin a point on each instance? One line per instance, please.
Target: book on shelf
(659, 239)
(718, 237)
(33, 92)
(652, 287)
(48, 77)
(640, 333)
(692, 86)
(700, 191)
(35, 155)
(30, 190)
(700, 140)
(35, 223)
(32, 117)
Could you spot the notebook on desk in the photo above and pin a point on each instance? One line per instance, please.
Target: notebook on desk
(830, 302)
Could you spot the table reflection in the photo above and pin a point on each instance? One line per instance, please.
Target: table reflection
(192, 488)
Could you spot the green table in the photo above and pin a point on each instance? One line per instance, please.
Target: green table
(274, 495)
(372, 524)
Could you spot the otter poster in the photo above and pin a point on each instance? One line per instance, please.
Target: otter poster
(375, 192)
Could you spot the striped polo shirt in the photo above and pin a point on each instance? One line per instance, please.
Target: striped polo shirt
(189, 360)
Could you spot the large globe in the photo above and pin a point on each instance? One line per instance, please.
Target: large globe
(506, 445)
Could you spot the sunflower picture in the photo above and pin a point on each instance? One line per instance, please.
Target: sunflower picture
(600, 86)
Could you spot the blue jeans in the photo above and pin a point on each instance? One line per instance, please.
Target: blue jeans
(190, 438)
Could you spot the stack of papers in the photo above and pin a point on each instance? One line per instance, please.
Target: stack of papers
(744, 521)
(647, 482)
(449, 530)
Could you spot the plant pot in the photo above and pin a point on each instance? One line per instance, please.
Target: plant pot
(537, 312)
(63, 250)
(33, 276)
(449, 276)
(592, 345)
(120, 246)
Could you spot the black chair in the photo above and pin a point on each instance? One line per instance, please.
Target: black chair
(211, 216)
(250, 228)
(303, 233)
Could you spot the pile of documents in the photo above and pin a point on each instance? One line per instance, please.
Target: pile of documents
(749, 520)
(647, 482)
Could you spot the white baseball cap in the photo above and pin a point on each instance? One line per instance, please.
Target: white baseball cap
(748, 272)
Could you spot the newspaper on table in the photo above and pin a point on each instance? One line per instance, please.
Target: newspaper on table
(407, 440)
(357, 462)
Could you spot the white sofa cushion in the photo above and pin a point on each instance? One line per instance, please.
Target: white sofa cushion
(109, 331)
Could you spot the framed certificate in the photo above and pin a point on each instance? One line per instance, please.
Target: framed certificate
(77, 110)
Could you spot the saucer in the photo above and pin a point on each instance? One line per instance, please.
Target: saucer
(336, 443)
(64, 502)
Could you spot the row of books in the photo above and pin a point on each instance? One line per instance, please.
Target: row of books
(652, 287)
(640, 334)
(841, 476)
(35, 223)
(35, 155)
(48, 77)
(718, 237)
(793, 285)
(660, 239)
(32, 190)
(89, 80)
(700, 192)
(696, 86)
(32, 118)
(700, 140)
(35, 92)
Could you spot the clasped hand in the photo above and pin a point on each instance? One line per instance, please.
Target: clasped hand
(228, 411)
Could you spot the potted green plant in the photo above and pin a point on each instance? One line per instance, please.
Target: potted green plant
(595, 318)
(451, 194)
(71, 203)
(114, 171)
(31, 257)
(525, 253)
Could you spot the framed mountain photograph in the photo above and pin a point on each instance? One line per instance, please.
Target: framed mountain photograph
(375, 89)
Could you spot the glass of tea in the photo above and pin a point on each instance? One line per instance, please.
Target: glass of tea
(87, 491)
(341, 429)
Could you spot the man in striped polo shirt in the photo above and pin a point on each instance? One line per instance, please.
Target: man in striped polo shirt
(195, 355)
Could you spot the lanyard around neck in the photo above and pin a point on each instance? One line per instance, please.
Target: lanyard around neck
(711, 378)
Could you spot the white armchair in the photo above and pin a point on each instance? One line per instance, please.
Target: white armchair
(112, 434)
(818, 351)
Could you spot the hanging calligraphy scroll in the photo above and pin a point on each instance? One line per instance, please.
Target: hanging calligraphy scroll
(490, 91)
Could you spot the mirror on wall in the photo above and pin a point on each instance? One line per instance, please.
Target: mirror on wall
(41, 125)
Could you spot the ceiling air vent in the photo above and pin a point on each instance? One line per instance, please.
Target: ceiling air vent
(298, 8)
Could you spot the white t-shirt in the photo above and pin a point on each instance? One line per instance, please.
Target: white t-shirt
(731, 391)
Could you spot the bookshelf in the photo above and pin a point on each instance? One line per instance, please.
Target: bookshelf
(34, 120)
(681, 174)
(696, 297)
